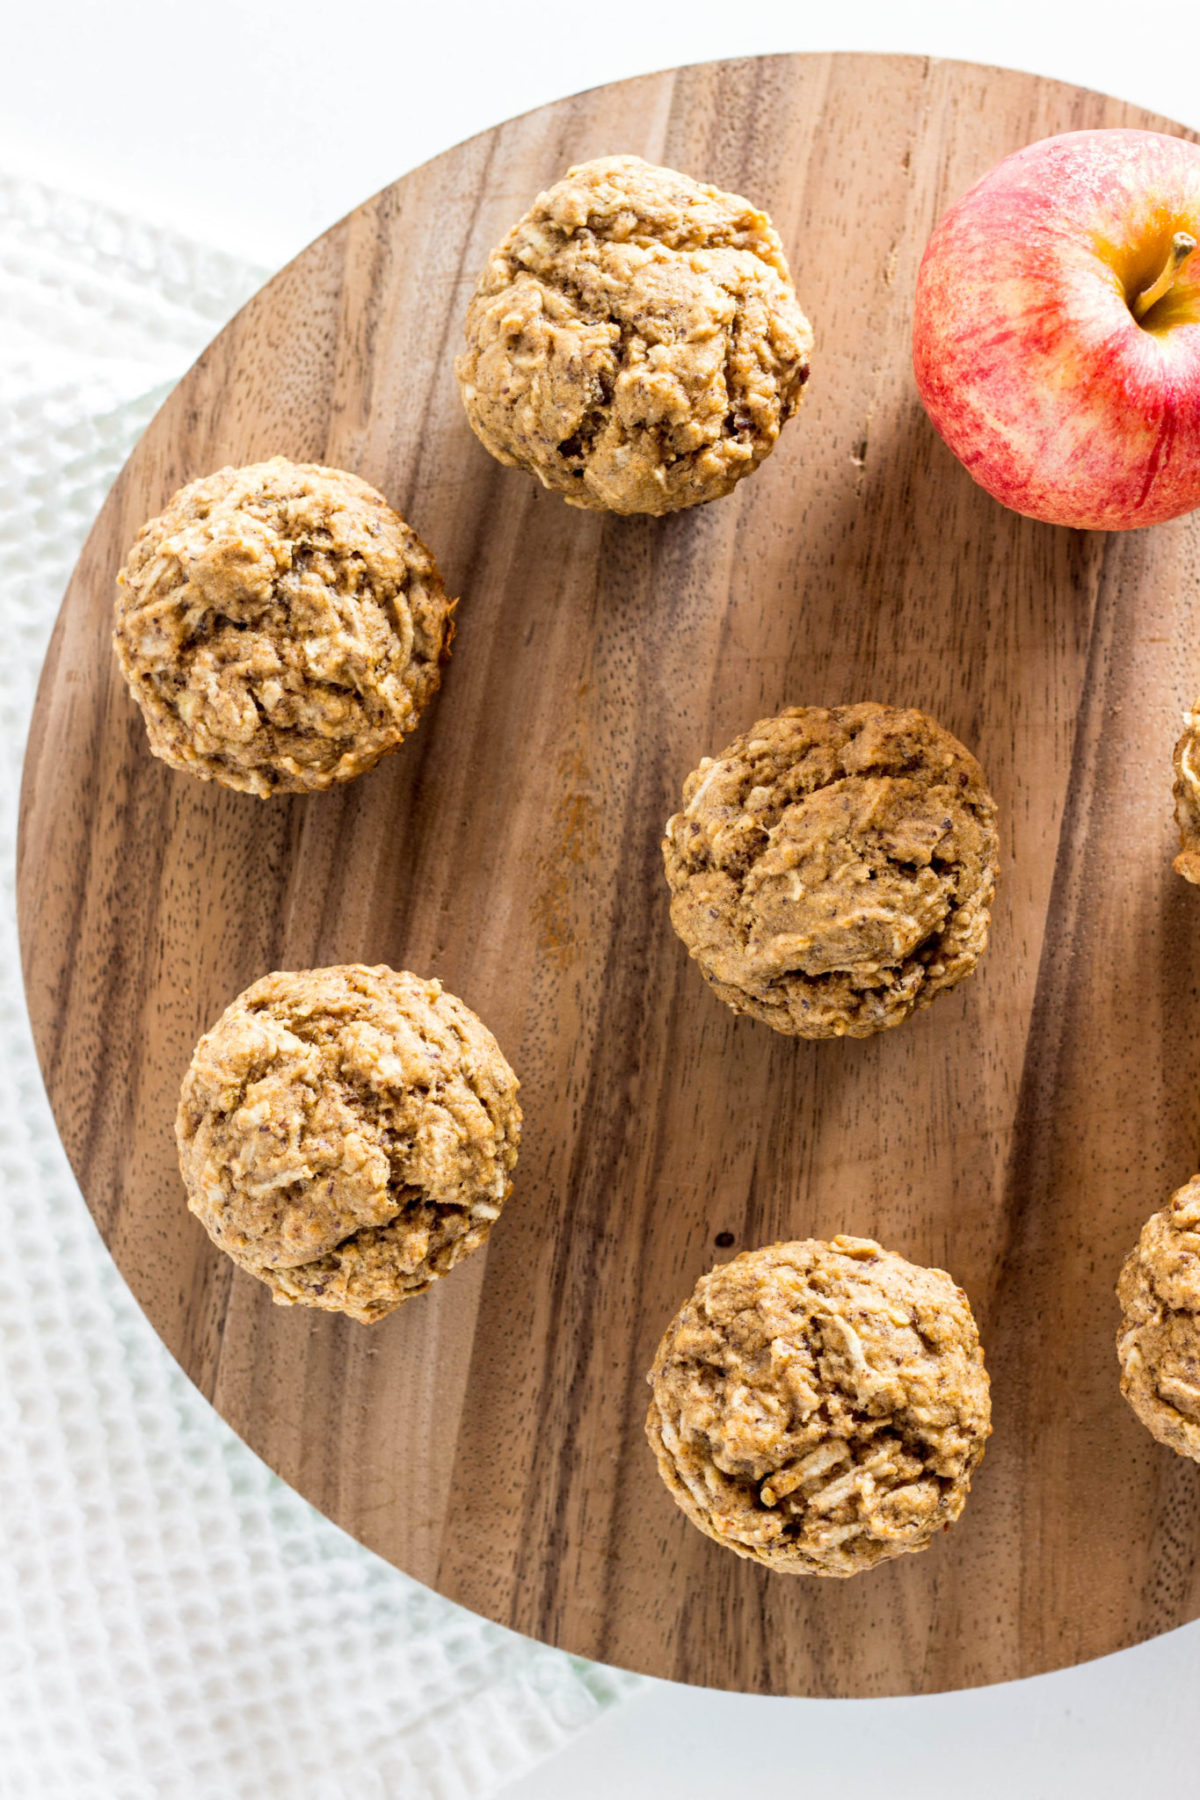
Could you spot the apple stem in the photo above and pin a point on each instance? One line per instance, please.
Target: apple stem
(1182, 245)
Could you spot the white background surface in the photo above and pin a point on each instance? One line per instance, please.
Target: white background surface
(255, 126)
(256, 123)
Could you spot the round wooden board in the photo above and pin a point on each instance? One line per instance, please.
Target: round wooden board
(488, 1437)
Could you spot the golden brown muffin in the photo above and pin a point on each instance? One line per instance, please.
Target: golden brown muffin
(1158, 1344)
(833, 869)
(280, 627)
(820, 1408)
(347, 1135)
(1187, 796)
(635, 342)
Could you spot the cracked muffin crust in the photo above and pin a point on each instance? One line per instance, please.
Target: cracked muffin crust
(1158, 1343)
(635, 342)
(820, 1408)
(347, 1135)
(280, 627)
(833, 868)
(1187, 796)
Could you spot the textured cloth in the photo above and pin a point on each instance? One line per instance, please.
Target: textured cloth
(175, 1623)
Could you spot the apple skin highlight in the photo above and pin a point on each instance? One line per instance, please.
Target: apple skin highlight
(1026, 352)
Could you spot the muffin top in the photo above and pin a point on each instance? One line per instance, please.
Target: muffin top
(834, 867)
(1187, 796)
(280, 627)
(1158, 1343)
(635, 342)
(347, 1135)
(820, 1407)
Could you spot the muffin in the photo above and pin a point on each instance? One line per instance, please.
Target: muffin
(1158, 1344)
(1187, 796)
(833, 869)
(635, 342)
(820, 1408)
(347, 1135)
(280, 627)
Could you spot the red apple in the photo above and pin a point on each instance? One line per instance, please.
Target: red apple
(1028, 347)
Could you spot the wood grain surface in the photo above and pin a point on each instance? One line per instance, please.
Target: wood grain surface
(488, 1437)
